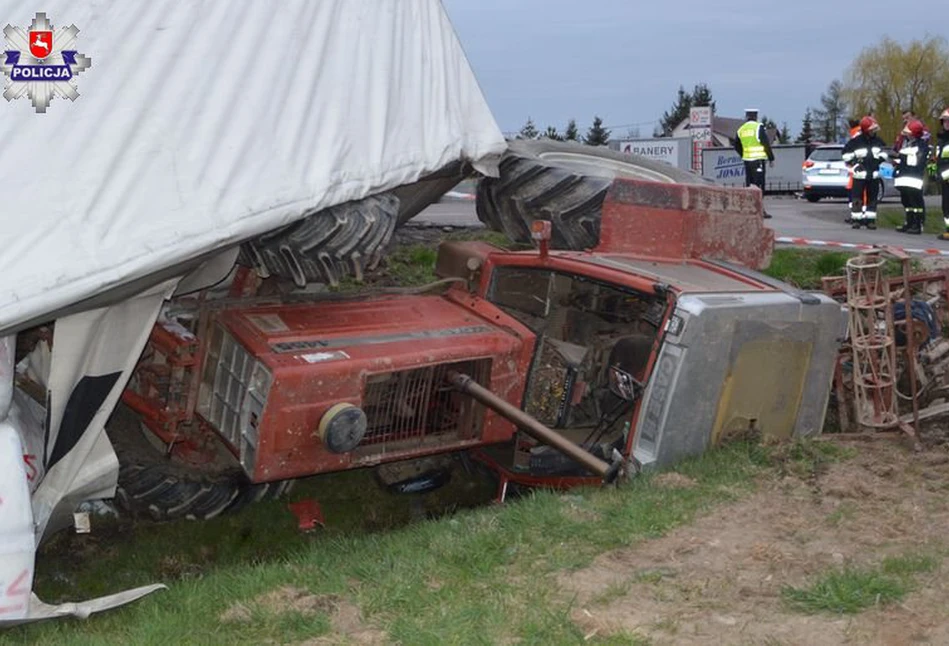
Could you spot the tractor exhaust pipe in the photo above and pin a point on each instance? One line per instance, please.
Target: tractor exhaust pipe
(468, 386)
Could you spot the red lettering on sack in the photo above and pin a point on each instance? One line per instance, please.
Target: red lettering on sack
(31, 471)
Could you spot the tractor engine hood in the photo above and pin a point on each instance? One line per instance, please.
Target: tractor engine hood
(273, 373)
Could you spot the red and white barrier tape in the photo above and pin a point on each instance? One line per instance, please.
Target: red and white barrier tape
(856, 245)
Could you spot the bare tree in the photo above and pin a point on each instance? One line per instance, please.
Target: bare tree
(889, 77)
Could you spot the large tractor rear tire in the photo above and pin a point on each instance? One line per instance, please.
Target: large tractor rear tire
(163, 488)
(565, 183)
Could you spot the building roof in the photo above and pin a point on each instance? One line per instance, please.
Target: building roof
(726, 126)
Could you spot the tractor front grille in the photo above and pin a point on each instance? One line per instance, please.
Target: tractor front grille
(408, 407)
(233, 394)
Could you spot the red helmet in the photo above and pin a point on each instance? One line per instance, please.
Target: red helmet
(915, 128)
(868, 125)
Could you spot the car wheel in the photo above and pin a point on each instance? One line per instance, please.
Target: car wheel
(812, 198)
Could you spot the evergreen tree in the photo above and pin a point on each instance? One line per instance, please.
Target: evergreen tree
(551, 133)
(529, 131)
(785, 133)
(597, 135)
(571, 133)
(702, 97)
(807, 129)
(674, 116)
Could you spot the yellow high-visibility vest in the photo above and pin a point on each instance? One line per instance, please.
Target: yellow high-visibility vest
(751, 147)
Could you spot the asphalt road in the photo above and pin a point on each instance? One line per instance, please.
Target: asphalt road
(792, 218)
(824, 220)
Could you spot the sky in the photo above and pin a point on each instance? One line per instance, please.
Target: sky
(624, 60)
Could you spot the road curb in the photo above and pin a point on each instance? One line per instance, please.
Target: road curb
(807, 242)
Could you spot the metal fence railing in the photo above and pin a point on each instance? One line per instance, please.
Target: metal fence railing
(770, 187)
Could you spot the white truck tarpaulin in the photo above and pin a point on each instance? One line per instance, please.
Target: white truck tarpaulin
(202, 123)
(199, 124)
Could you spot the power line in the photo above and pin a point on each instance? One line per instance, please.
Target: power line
(634, 125)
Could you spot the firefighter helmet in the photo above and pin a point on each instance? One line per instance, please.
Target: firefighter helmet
(915, 128)
(868, 125)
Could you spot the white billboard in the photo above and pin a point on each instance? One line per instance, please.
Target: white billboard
(666, 150)
(724, 165)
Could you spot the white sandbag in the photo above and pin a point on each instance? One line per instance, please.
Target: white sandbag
(16, 528)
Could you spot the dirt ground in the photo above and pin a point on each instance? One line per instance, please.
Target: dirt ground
(346, 619)
(719, 580)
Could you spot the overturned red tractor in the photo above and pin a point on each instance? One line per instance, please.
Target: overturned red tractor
(551, 367)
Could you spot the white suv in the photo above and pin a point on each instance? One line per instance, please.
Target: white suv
(824, 174)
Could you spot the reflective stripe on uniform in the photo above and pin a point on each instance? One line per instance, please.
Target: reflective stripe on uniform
(869, 215)
(909, 182)
(909, 150)
(751, 147)
(945, 174)
(861, 152)
(944, 153)
(860, 174)
(847, 156)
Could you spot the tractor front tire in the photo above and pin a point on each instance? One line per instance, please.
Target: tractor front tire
(346, 240)
(160, 487)
(328, 245)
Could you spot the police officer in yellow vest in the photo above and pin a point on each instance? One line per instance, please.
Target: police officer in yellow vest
(753, 145)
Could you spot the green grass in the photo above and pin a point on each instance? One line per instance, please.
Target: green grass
(845, 512)
(891, 217)
(413, 265)
(476, 577)
(850, 590)
(909, 564)
(804, 268)
(806, 458)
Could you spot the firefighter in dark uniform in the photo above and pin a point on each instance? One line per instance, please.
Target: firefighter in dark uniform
(854, 125)
(942, 168)
(752, 143)
(910, 172)
(863, 155)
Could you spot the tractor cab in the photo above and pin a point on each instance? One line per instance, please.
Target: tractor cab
(650, 358)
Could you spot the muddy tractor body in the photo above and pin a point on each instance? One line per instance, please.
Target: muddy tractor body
(638, 348)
